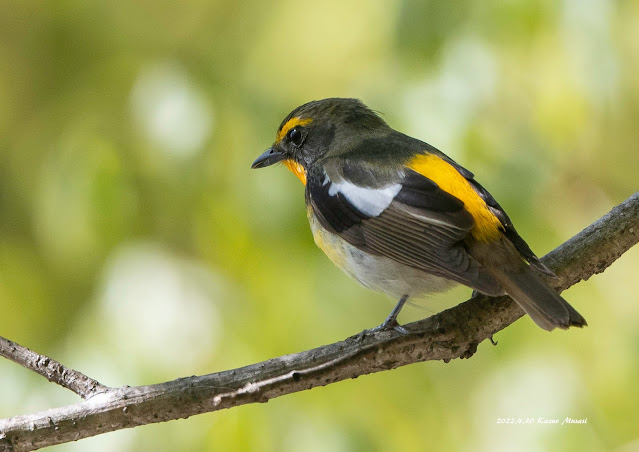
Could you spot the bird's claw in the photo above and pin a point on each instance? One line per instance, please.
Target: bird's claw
(389, 324)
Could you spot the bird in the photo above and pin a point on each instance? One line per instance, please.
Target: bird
(402, 218)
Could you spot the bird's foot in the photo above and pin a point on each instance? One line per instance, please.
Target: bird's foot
(389, 324)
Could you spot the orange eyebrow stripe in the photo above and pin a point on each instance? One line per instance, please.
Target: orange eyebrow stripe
(487, 226)
(296, 169)
(296, 121)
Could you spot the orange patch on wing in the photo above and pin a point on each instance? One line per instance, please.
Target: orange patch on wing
(296, 169)
(487, 226)
(289, 125)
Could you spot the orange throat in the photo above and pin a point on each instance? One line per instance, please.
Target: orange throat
(296, 169)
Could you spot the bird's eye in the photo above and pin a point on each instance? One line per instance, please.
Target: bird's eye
(295, 136)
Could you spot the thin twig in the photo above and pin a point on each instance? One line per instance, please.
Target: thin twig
(50, 369)
(454, 333)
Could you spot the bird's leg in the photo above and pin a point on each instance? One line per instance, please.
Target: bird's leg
(391, 321)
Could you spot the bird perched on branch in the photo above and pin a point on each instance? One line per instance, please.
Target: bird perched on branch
(401, 217)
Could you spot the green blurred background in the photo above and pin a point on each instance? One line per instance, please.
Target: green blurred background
(137, 246)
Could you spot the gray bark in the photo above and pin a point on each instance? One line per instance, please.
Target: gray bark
(454, 333)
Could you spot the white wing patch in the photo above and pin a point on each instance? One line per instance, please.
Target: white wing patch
(370, 201)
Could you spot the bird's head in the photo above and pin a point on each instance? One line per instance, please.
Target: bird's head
(321, 129)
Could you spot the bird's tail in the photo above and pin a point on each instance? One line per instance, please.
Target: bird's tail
(518, 280)
(545, 306)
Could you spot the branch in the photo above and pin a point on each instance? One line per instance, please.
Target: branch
(50, 369)
(454, 333)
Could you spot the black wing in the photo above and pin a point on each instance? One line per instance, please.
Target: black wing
(509, 230)
(422, 226)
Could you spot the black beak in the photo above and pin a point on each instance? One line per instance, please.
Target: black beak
(268, 158)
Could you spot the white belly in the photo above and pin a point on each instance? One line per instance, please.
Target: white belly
(376, 272)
